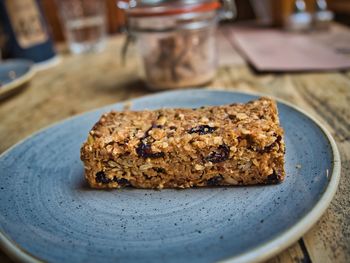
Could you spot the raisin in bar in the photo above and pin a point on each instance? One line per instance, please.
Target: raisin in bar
(237, 144)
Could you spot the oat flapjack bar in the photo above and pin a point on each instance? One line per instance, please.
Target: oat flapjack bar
(237, 144)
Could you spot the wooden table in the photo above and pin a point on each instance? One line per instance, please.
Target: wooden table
(85, 82)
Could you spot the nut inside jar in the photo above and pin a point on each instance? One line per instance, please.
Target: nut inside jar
(176, 40)
(180, 58)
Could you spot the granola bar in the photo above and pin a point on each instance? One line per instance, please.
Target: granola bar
(237, 144)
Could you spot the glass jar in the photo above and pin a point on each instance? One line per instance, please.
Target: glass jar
(176, 39)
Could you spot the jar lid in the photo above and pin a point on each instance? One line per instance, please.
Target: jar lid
(142, 8)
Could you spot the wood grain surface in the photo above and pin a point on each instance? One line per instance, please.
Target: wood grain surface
(85, 82)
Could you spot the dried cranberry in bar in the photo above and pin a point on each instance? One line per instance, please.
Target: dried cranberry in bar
(237, 144)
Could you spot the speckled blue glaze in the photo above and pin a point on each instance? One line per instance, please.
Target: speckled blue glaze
(19, 66)
(48, 210)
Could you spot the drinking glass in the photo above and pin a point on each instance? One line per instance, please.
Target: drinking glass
(84, 22)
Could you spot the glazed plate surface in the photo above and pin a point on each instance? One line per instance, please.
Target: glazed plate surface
(14, 73)
(48, 213)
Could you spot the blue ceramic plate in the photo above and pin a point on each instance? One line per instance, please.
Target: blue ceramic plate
(49, 213)
(13, 74)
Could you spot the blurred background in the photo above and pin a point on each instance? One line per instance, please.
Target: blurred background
(171, 44)
(59, 58)
(177, 39)
(246, 10)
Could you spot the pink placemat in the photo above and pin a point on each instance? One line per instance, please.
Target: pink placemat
(277, 50)
(228, 55)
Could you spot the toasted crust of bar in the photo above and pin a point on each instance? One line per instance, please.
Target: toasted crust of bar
(237, 144)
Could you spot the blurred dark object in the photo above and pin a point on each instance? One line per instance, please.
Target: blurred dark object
(24, 31)
(262, 11)
(341, 9)
(245, 10)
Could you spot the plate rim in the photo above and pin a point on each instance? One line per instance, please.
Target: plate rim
(259, 253)
(17, 83)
